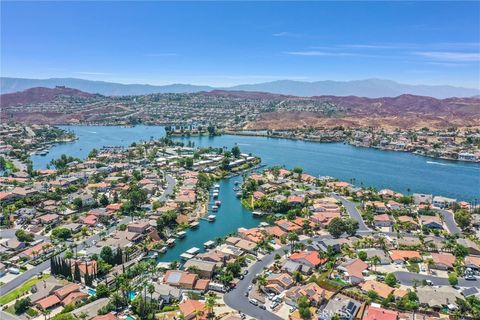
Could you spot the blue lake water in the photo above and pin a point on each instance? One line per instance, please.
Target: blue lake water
(400, 171)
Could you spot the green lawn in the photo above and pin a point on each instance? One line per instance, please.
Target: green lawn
(413, 267)
(12, 295)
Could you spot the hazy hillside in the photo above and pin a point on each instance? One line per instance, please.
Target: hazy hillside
(371, 88)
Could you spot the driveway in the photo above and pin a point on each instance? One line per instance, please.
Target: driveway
(354, 213)
(406, 278)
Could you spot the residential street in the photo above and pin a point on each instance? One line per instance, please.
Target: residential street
(406, 278)
(236, 298)
(449, 221)
(354, 213)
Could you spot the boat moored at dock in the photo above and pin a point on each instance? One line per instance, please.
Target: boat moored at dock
(211, 218)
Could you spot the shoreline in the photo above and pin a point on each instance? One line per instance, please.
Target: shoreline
(253, 134)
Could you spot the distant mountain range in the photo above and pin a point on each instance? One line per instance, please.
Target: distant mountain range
(371, 88)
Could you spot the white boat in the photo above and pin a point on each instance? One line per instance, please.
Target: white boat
(211, 217)
(209, 244)
(263, 224)
(215, 194)
(162, 250)
(214, 208)
(216, 186)
(194, 224)
(257, 213)
(193, 251)
(218, 203)
(181, 234)
(171, 242)
(239, 194)
(186, 256)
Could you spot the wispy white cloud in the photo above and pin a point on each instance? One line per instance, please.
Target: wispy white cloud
(92, 73)
(450, 56)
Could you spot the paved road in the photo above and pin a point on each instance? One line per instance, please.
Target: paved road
(7, 316)
(236, 298)
(354, 213)
(406, 278)
(169, 189)
(449, 221)
(46, 264)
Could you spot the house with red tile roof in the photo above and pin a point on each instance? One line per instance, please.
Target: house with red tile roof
(401, 256)
(37, 250)
(374, 312)
(48, 302)
(443, 260)
(288, 226)
(382, 220)
(353, 270)
(308, 258)
(192, 309)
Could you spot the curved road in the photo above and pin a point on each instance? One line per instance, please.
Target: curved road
(236, 298)
(353, 213)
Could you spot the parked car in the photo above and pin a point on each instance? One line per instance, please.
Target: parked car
(262, 306)
(246, 293)
(253, 301)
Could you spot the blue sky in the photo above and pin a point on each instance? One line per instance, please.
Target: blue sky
(228, 43)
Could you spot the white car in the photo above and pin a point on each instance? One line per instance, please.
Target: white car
(250, 287)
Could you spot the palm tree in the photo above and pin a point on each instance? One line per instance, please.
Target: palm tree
(292, 237)
(262, 281)
(375, 262)
(210, 303)
(151, 290)
(430, 263)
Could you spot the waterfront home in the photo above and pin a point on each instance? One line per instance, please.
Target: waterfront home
(204, 269)
(443, 261)
(353, 270)
(375, 312)
(180, 279)
(342, 306)
(443, 202)
(420, 198)
(401, 256)
(139, 226)
(288, 226)
(253, 234)
(216, 256)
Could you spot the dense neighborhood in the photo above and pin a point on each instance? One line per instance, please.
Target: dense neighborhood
(84, 239)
